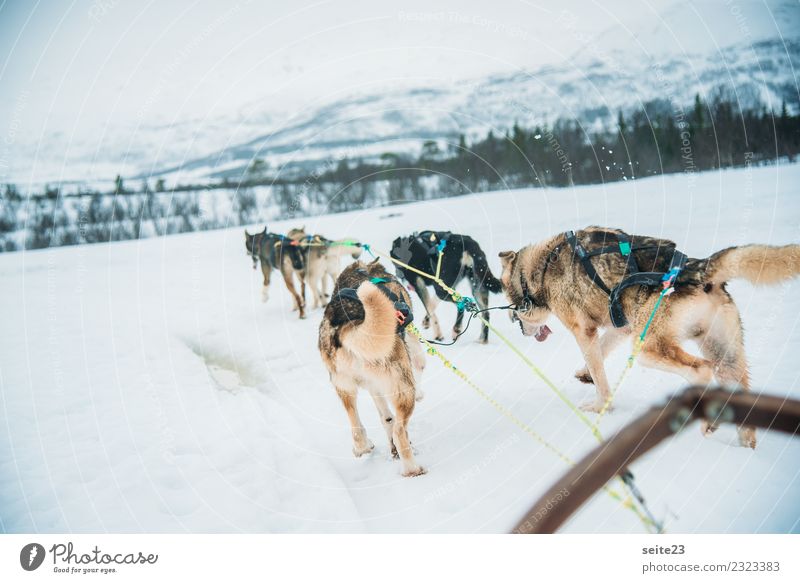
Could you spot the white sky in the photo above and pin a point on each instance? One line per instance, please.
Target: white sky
(85, 74)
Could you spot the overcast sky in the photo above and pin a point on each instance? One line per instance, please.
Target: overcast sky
(158, 61)
(80, 74)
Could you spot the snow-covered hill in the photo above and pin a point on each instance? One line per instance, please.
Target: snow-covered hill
(751, 48)
(592, 91)
(144, 387)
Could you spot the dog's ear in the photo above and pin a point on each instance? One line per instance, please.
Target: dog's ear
(246, 234)
(507, 256)
(507, 259)
(265, 230)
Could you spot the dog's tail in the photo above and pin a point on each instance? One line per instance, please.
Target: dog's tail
(375, 337)
(483, 276)
(758, 264)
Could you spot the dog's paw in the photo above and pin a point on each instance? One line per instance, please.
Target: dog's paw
(418, 471)
(264, 294)
(439, 338)
(707, 428)
(583, 376)
(594, 406)
(482, 340)
(747, 437)
(456, 332)
(366, 448)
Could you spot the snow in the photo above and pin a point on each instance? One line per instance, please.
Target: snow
(144, 387)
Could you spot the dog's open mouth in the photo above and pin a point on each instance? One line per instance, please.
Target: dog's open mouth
(542, 334)
(539, 332)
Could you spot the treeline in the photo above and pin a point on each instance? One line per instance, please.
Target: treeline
(54, 219)
(659, 138)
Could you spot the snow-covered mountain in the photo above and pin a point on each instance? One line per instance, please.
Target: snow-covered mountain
(592, 92)
(748, 48)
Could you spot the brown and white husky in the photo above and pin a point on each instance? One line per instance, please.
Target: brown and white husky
(549, 278)
(323, 261)
(363, 345)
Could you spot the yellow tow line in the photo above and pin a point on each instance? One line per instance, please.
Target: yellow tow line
(626, 501)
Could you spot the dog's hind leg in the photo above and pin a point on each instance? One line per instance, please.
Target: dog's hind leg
(404, 405)
(422, 293)
(302, 276)
(323, 282)
(333, 286)
(361, 443)
(315, 276)
(332, 272)
(610, 339)
(287, 273)
(459, 322)
(387, 419)
(433, 302)
(399, 387)
(266, 270)
(482, 299)
(723, 345)
(430, 301)
(417, 356)
(666, 354)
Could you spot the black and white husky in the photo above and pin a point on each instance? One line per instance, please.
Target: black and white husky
(462, 258)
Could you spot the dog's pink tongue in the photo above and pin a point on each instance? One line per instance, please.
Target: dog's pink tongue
(543, 333)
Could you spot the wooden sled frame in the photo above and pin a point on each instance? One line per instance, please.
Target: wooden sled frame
(612, 457)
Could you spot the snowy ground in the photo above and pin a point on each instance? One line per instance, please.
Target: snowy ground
(146, 388)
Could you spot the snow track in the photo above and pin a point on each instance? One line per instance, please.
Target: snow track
(145, 387)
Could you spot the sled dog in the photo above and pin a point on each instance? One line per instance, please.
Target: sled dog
(323, 261)
(571, 275)
(273, 252)
(363, 344)
(462, 258)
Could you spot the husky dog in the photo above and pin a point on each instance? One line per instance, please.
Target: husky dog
(553, 277)
(323, 261)
(462, 257)
(364, 345)
(273, 252)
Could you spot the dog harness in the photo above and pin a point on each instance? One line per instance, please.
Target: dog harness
(432, 246)
(402, 311)
(634, 276)
(528, 300)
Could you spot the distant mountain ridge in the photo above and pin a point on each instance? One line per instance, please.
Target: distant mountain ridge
(747, 48)
(401, 121)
